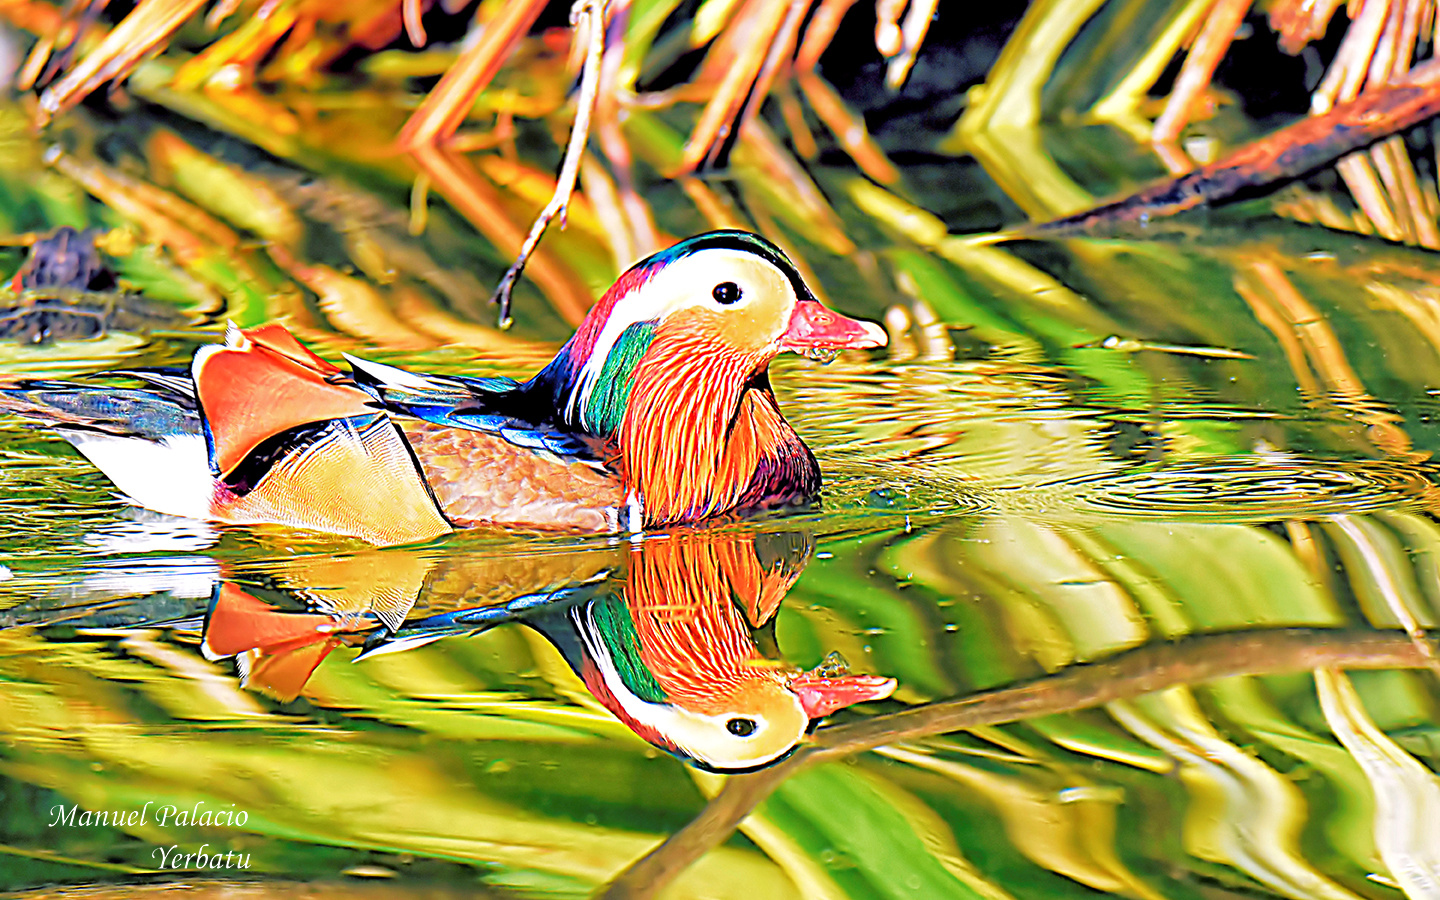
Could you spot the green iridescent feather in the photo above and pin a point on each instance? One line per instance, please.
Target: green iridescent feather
(617, 630)
(606, 405)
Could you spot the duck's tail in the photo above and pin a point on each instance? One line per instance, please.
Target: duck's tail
(150, 443)
(260, 430)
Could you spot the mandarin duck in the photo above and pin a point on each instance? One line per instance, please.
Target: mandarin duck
(657, 411)
(669, 643)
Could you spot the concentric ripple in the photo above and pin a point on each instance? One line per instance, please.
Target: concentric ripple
(1243, 489)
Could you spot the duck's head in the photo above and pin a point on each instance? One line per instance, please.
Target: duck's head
(765, 723)
(713, 309)
(748, 724)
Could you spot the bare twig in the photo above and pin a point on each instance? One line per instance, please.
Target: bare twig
(456, 178)
(591, 15)
(1131, 674)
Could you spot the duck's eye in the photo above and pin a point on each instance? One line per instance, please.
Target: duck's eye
(740, 727)
(726, 293)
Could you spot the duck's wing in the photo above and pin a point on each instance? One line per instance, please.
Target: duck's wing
(495, 405)
(490, 456)
(262, 384)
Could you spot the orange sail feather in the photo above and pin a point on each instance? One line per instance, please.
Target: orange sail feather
(260, 383)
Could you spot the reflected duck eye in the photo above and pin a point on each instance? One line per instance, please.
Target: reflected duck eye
(740, 727)
(726, 293)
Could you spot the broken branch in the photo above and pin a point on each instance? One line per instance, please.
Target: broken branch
(1271, 161)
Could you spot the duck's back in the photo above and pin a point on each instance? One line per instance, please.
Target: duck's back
(481, 478)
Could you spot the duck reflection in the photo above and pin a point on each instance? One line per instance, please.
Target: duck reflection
(278, 638)
(673, 635)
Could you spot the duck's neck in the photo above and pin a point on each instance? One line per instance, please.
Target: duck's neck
(703, 435)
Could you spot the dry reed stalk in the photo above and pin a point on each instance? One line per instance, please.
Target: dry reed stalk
(140, 33)
(451, 100)
(740, 53)
(1364, 184)
(1205, 54)
(824, 22)
(1348, 71)
(410, 11)
(801, 137)
(848, 128)
(912, 35)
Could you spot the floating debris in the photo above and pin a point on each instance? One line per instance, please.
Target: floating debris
(1130, 345)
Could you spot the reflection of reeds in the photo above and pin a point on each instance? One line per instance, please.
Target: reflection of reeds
(1311, 345)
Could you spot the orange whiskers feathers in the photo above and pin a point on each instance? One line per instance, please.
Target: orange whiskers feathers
(693, 435)
(694, 638)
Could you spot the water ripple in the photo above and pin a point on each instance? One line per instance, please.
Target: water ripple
(1241, 489)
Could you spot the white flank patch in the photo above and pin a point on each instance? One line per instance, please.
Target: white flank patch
(171, 475)
(634, 513)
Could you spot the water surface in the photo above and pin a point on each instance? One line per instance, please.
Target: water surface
(1008, 495)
